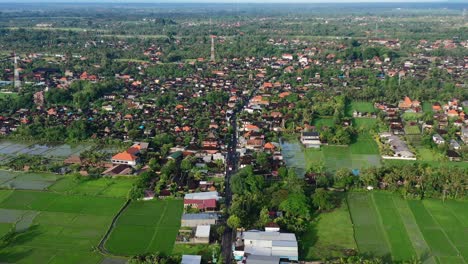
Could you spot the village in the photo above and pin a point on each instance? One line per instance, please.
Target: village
(184, 136)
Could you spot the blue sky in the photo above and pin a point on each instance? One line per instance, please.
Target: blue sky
(228, 1)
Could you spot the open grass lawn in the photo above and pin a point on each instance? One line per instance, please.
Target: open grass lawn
(359, 106)
(412, 130)
(365, 123)
(427, 154)
(109, 187)
(58, 228)
(321, 122)
(387, 225)
(412, 116)
(193, 249)
(146, 226)
(328, 236)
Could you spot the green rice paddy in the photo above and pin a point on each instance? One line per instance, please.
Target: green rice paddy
(388, 226)
(146, 226)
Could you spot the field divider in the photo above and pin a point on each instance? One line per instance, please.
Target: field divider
(445, 234)
(102, 249)
(157, 226)
(412, 235)
(352, 221)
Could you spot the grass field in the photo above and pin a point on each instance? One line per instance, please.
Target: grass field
(360, 107)
(386, 225)
(365, 123)
(146, 226)
(412, 130)
(109, 187)
(328, 236)
(321, 122)
(57, 228)
(363, 153)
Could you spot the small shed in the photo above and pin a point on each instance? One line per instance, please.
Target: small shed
(191, 259)
(202, 234)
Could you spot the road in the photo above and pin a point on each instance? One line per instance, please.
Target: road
(231, 169)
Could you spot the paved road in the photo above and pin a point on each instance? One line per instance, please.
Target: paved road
(231, 167)
(232, 162)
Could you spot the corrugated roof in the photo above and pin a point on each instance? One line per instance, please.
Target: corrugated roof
(203, 231)
(191, 259)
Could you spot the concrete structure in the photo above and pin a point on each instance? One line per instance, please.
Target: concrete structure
(311, 139)
(191, 259)
(193, 220)
(202, 234)
(202, 196)
(438, 139)
(276, 244)
(398, 146)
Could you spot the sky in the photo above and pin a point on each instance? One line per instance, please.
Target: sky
(228, 1)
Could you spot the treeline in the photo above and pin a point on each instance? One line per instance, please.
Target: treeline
(417, 180)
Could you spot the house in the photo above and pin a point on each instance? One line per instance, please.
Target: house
(131, 155)
(202, 205)
(311, 139)
(464, 134)
(454, 144)
(204, 201)
(126, 157)
(438, 139)
(408, 104)
(193, 220)
(398, 146)
(202, 234)
(453, 155)
(191, 259)
(263, 243)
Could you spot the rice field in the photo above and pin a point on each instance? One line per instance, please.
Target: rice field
(10, 149)
(388, 226)
(53, 227)
(146, 226)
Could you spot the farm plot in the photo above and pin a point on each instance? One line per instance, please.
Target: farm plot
(109, 187)
(146, 226)
(328, 236)
(359, 106)
(343, 157)
(27, 181)
(385, 224)
(56, 228)
(368, 232)
(12, 148)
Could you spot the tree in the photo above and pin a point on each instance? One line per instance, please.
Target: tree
(234, 222)
(322, 199)
(264, 217)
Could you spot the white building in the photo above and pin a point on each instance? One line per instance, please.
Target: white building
(191, 259)
(202, 196)
(193, 220)
(202, 234)
(311, 139)
(264, 243)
